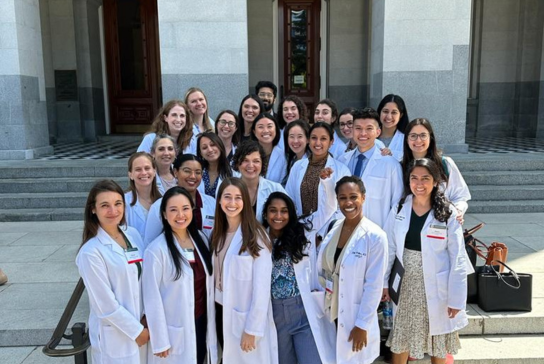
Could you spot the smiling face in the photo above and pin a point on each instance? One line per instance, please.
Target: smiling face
(178, 213)
(323, 113)
(109, 209)
(419, 146)
(350, 201)
(320, 142)
(365, 132)
(421, 183)
(265, 131)
(231, 201)
(277, 216)
(176, 119)
(197, 103)
(346, 125)
(250, 110)
(390, 116)
(251, 166)
(290, 111)
(226, 126)
(297, 140)
(142, 172)
(164, 152)
(189, 175)
(209, 150)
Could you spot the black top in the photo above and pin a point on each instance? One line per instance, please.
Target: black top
(413, 236)
(337, 254)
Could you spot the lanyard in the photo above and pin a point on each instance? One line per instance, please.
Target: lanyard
(138, 264)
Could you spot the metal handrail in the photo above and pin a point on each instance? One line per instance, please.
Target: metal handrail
(50, 349)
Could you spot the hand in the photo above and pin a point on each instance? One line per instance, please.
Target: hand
(460, 218)
(248, 342)
(452, 312)
(143, 338)
(143, 321)
(385, 295)
(386, 151)
(325, 173)
(358, 336)
(163, 354)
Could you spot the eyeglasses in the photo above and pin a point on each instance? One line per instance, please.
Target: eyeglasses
(189, 171)
(266, 94)
(349, 124)
(230, 124)
(413, 136)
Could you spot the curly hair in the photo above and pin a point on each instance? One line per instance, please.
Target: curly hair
(301, 107)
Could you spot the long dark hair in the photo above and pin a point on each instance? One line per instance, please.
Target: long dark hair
(403, 121)
(90, 220)
(292, 241)
(241, 130)
(252, 230)
(439, 202)
(155, 194)
(193, 231)
(301, 107)
(223, 166)
(433, 153)
(289, 154)
(269, 117)
(328, 128)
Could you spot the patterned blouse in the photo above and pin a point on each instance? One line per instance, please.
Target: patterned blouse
(209, 189)
(310, 186)
(284, 281)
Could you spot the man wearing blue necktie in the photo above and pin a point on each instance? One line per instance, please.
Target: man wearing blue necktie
(382, 175)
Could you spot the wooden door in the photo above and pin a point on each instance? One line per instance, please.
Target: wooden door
(298, 24)
(133, 66)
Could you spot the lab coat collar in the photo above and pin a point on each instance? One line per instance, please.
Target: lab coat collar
(105, 239)
(358, 233)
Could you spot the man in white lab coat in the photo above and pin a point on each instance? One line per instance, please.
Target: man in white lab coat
(382, 175)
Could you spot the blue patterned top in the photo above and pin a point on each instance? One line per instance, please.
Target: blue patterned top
(284, 281)
(209, 190)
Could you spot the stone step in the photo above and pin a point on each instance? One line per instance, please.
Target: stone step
(59, 214)
(506, 193)
(516, 206)
(53, 185)
(511, 162)
(64, 168)
(501, 178)
(43, 200)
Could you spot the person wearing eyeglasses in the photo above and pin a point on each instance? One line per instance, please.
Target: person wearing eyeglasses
(188, 170)
(381, 174)
(420, 142)
(225, 127)
(345, 122)
(394, 118)
(267, 92)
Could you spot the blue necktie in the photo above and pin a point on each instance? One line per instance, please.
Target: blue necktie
(359, 165)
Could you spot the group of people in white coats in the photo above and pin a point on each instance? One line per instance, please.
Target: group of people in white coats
(277, 252)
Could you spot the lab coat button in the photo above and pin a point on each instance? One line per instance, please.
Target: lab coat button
(341, 325)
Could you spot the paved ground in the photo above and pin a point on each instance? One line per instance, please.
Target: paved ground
(38, 258)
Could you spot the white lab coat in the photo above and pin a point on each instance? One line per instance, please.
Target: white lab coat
(456, 190)
(170, 306)
(115, 299)
(136, 215)
(444, 266)
(264, 190)
(383, 182)
(397, 145)
(277, 165)
(153, 226)
(338, 147)
(360, 288)
(147, 142)
(247, 306)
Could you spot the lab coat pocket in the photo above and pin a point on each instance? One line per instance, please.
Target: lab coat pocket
(238, 323)
(442, 285)
(116, 344)
(319, 302)
(242, 267)
(177, 339)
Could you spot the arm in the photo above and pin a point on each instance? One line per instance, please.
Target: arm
(389, 229)
(145, 145)
(397, 186)
(258, 311)
(457, 190)
(457, 283)
(153, 225)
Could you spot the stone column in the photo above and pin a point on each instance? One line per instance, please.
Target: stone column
(420, 51)
(23, 117)
(204, 44)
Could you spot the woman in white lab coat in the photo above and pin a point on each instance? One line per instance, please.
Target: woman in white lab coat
(296, 138)
(109, 261)
(265, 130)
(173, 119)
(351, 264)
(326, 111)
(248, 161)
(243, 266)
(142, 191)
(215, 166)
(304, 333)
(420, 142)
(225, 128)
(394, 119)
(313, 196)
(164, 151)
(178, 287)
(425, 236)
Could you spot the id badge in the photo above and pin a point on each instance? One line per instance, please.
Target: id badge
(208, 222)
(188, 254)
(437, 232)
(133, 255)
(329, 286)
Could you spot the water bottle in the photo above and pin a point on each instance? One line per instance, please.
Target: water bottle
(387, 313)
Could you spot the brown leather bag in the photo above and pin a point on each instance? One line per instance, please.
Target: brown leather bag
(497, 251)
